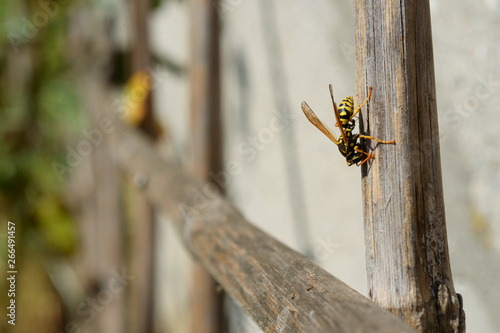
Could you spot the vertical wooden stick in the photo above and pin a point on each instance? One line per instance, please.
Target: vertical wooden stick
(405, 233)
(206, 146)
(142, 227)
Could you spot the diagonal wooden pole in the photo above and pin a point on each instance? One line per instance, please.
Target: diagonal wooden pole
(280, 289)
(405, 232)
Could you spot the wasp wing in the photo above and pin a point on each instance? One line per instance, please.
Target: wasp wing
(318, 123)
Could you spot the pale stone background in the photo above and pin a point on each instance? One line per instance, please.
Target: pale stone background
(314, 47)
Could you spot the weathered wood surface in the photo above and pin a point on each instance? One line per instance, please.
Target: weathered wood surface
(405, 233)
(205, 155)
(280, 289)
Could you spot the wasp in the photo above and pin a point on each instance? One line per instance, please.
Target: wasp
(349, 144)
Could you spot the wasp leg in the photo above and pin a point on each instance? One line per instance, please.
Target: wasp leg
(369, 156)
(357, 109)
(372, 138)
(363, 152)
(365, 160)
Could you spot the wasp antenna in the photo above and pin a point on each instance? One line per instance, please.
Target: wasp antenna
(337, 117)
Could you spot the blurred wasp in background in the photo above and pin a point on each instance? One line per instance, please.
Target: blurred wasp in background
(137, 104)
(350, 145)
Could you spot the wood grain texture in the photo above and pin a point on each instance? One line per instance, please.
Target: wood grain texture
(280, 289)
(405, 232)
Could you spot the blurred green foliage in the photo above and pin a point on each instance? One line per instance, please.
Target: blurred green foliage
(39, 114)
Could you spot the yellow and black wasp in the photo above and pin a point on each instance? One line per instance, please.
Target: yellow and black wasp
(348, 143)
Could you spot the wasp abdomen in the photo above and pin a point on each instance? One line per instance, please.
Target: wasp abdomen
(346, 108)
